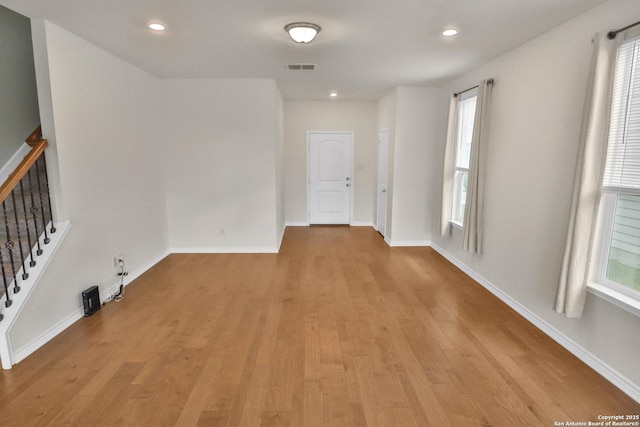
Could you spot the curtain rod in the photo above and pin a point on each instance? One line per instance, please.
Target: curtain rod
(612, 34)
(490, 81)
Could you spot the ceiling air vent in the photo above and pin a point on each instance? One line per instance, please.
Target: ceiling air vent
(301, 67)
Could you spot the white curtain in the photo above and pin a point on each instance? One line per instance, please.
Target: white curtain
(473, 212)
(447, 174)
(572, 290)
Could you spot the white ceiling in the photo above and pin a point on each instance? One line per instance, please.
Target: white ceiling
(365, 48)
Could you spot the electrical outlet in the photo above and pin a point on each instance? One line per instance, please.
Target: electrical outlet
(222, 231)
(120, 264)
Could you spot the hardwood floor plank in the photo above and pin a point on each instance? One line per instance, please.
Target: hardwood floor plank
(280, 389)
(333, 378)
(337, 410)
(398, 417)
(254, 403)
(337, 329)
(275, 419)
(312, 358)
(114, 394)
(313, 415)
(213, 419)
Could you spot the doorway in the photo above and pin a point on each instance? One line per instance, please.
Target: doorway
(330, 181)
(383, 155)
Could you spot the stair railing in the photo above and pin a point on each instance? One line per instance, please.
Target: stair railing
(25, 214)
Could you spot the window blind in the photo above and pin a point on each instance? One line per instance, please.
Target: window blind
(622, 169)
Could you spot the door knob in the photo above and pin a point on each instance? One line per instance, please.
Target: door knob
(384, 191)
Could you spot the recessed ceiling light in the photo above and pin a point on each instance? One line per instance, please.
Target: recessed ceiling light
(333, 94)
(449, 32)
(156, 26)
(302, 32)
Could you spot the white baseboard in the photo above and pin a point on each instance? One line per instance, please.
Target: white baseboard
(296, 224)
(362, 224)
(408, 243)
(48, 335)
(352, 224)
(615, 377)
(226, 250)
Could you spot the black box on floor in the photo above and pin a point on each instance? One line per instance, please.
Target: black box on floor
(91, 300)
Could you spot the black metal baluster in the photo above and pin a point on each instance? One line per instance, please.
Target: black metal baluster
(32, 263)
(25, 275)
(9, 245)
(34, 211)
(7, 302)
(44, 221)
(46, 182)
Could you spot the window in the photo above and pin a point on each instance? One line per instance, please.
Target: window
(466, 114)
(619, 263)
(623, 260)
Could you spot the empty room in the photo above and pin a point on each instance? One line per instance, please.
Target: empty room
(303, 213)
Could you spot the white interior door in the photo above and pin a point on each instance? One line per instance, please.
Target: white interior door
(330, 177)
(383, 153)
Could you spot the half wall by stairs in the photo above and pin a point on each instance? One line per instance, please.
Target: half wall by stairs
(28, 236)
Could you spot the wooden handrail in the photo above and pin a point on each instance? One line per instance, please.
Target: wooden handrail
(38, 146)
(34, 137)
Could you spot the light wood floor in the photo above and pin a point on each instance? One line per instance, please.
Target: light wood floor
(336, 330)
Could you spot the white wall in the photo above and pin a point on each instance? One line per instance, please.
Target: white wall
(100, 116)
(220, 164)
(18, 97)
(416, 164)
(356, 117)
(536, 112)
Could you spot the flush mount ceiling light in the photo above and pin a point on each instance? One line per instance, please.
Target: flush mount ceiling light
(156, 26)
(450, 32)
(302, 32)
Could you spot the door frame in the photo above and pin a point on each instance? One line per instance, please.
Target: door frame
(352, 179)
(386, 206)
